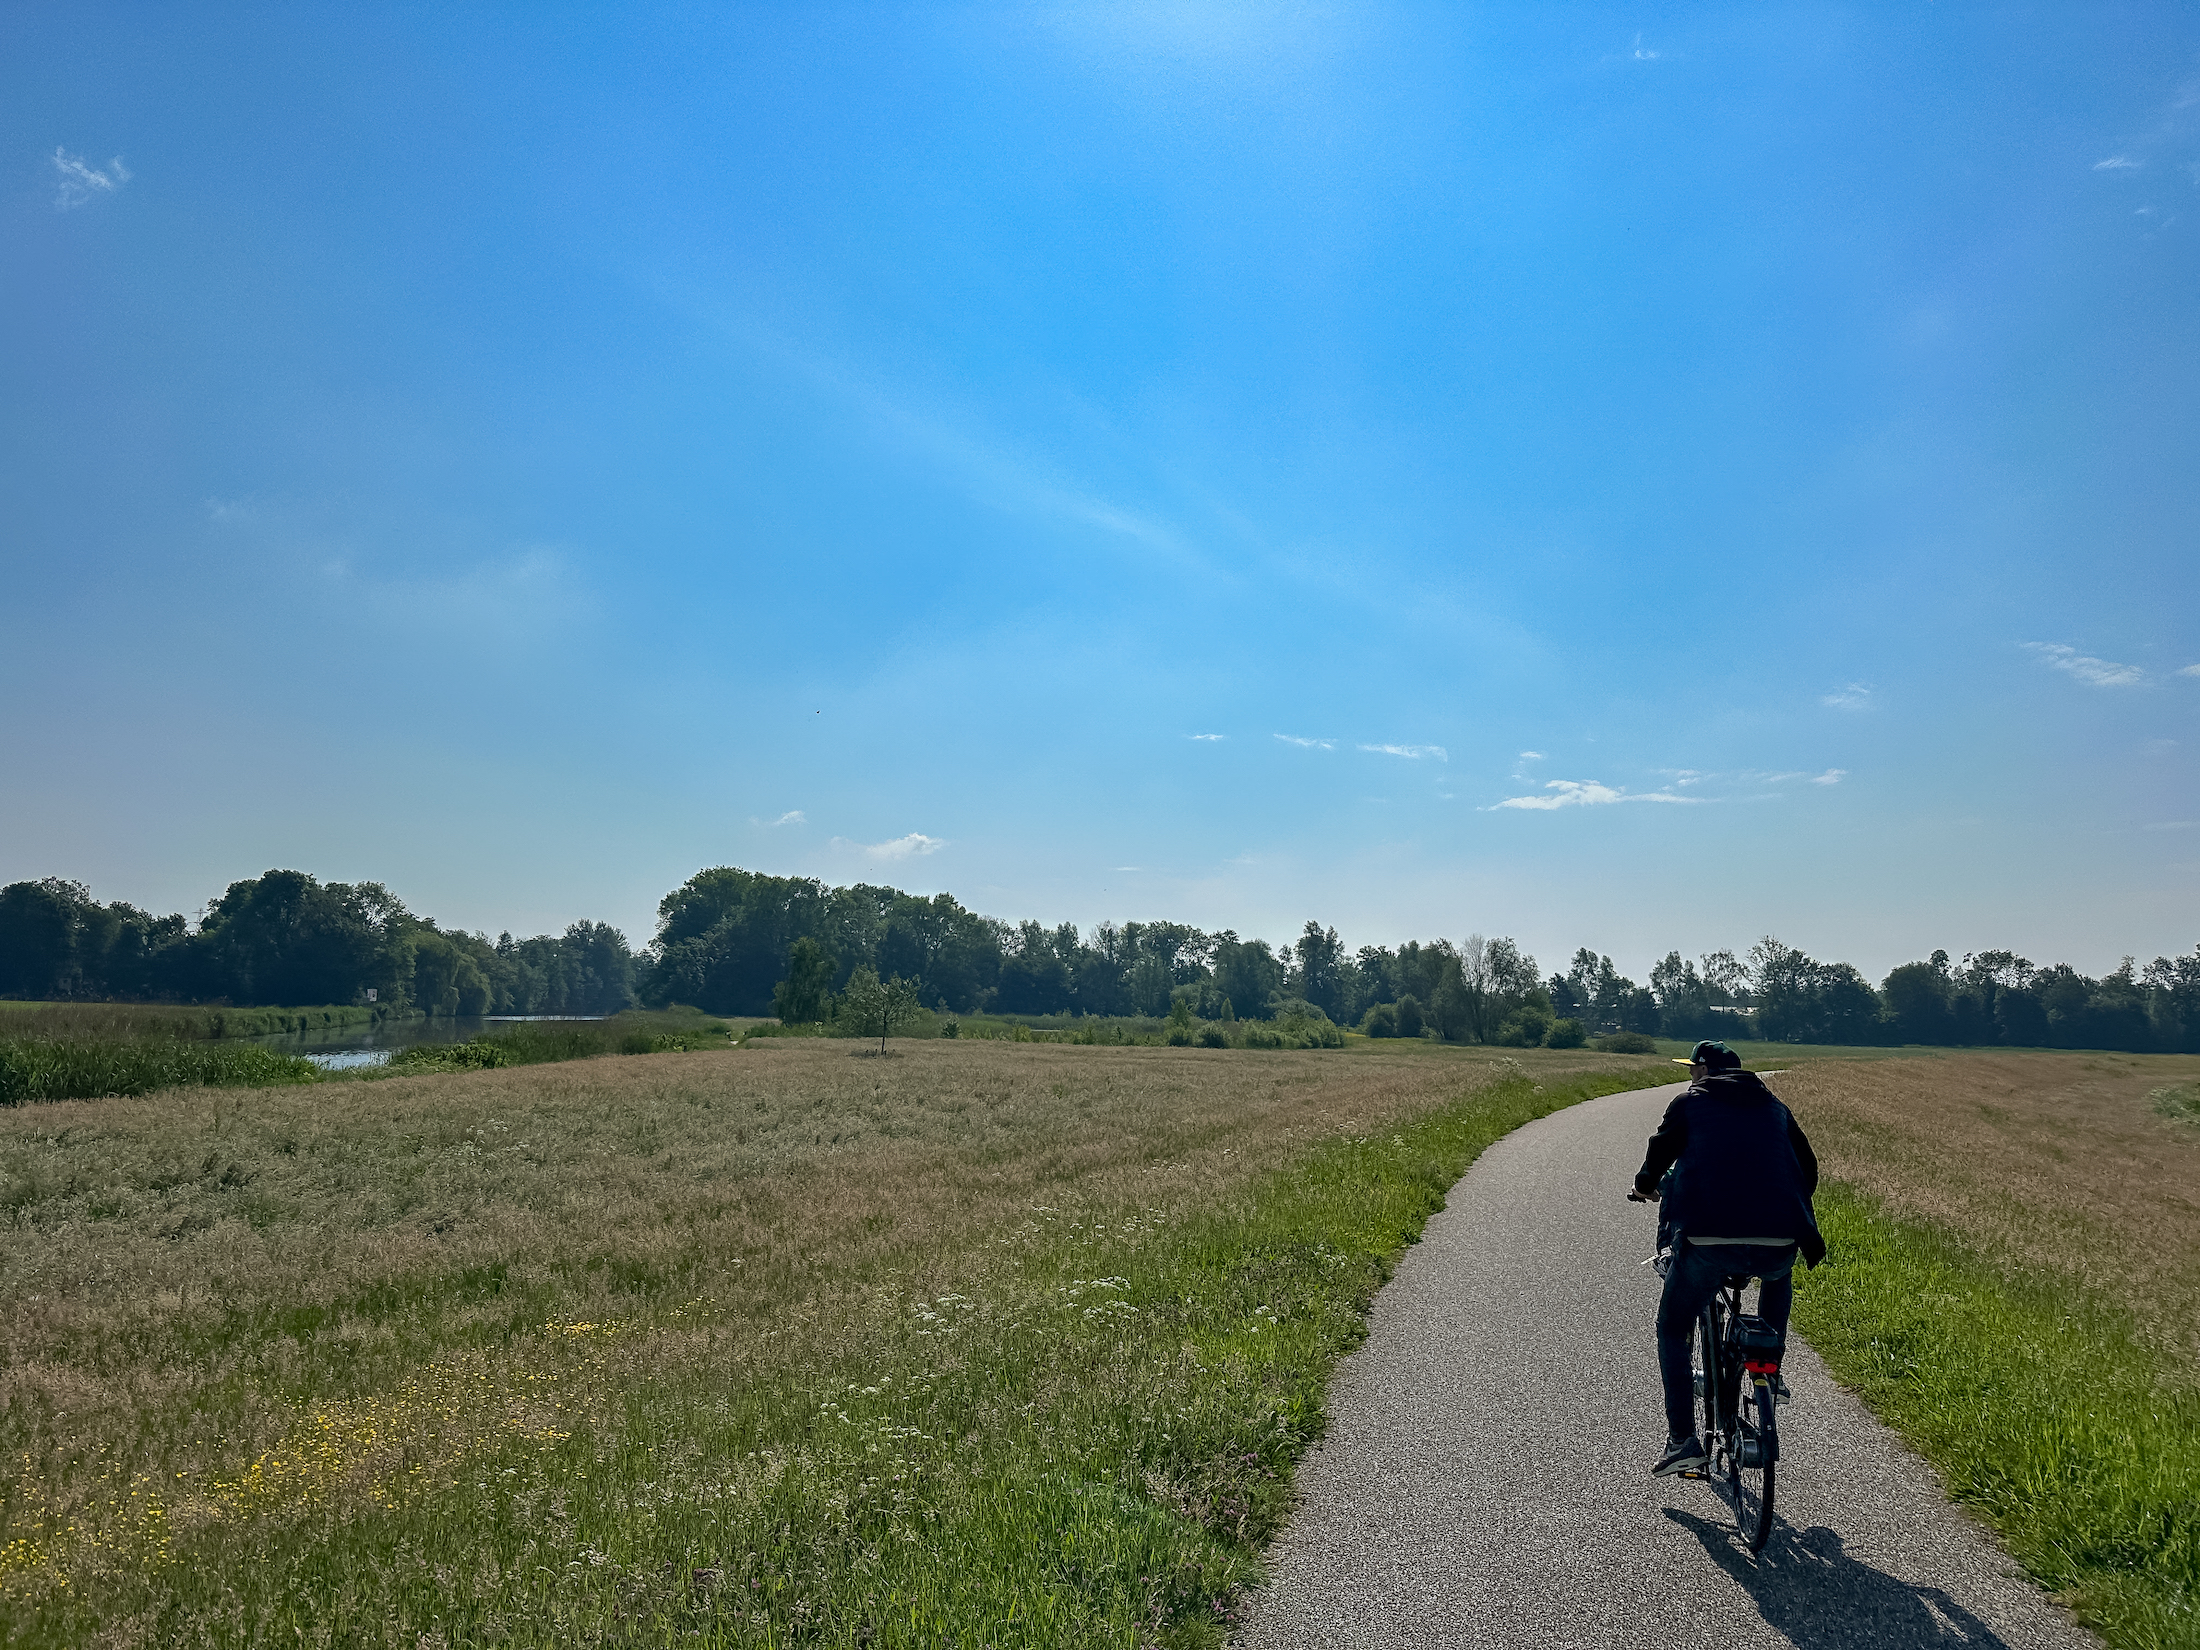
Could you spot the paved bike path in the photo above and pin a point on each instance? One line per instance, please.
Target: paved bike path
(1485, 1479)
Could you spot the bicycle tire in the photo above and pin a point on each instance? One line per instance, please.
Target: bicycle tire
(1753, 1486)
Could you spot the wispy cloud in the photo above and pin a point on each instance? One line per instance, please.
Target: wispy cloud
(1532, 756)
(913, 846)
(80, 183)
(1579, 793)
(954, 441)
(1848, 696)
(2118, 163)
(2087, 669)
(2190, 670)
(1209, 737)
(793, 816)
(1832, 776)
(1308, 744)
(1644, 54)
(1412, 753)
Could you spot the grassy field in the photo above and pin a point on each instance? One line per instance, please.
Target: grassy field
(980, 1344)
(2016, 1287)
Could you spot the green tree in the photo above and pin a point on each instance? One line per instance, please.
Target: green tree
(800, 997)
(1916, 995)
(875, 1008)
(1320, 957)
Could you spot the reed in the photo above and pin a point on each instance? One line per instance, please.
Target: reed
(85, 1068)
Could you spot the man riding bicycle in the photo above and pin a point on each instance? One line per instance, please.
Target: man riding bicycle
(1737, 1201)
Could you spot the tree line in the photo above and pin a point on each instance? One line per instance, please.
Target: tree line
(726, 938)
(739, 942)
(288, 938)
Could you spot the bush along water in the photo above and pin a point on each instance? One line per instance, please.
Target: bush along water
(87, 1068)
(534, 1045)
(91, 1068)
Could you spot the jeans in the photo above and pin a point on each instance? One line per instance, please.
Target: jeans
(1698, 1271)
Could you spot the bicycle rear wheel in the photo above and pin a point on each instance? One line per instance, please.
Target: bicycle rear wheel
(1753, 1465)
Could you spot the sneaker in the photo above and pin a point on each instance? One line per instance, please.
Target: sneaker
(1681, 1455)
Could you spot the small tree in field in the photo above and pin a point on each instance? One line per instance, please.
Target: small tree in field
(877, 1008)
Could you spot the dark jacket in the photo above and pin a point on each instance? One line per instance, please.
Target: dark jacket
(1746, 1169)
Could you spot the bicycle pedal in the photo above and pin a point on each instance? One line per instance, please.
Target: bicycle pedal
(1697, 1474)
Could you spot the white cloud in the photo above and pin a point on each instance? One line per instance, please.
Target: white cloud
(1126, 867)
(1643, 54)
(1576, 793)
(1532, 756)
(1412, 753)
(2118, 163)
(1308, 744)
(2190, 670)
(1848, 696)
(1207, 736)
(912, 846)
(1832, 776)
(2087, 669)
(81, 183)
(793, 816)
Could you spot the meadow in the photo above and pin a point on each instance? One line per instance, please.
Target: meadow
(982, 1343)
(2015, 1286)
(784, 1344)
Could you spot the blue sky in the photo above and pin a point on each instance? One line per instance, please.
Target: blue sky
(1638, 478)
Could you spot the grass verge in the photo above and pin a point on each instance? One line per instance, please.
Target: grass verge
(2044, 1407)
(1041, 1383)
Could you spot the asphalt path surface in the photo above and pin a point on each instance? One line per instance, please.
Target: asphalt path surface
(1486, 1475)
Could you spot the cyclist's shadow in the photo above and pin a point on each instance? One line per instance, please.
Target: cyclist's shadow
(1806, 1586)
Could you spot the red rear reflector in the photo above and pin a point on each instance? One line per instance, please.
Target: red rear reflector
(1762, 1369)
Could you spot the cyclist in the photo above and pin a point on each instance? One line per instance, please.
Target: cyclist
(1738, 1200)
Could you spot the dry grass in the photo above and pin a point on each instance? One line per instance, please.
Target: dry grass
(2051, 1163)
(227, 1312)
(2016, 1288)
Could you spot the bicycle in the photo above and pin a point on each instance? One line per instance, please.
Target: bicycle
(1741, 1429)
(1740, 1409)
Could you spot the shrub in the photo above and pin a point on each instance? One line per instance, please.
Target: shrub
(1623, 1042)
(1179, 1036)
(1213, 1036)
(1409, 1016)
(950, 1028)
(1380, 1021)
(1565, 1034)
